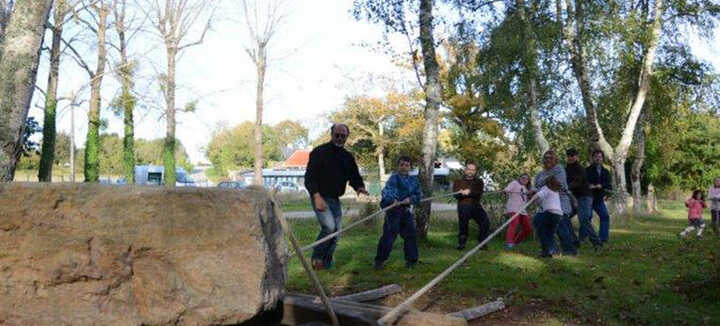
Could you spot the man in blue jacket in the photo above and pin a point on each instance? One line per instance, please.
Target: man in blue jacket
(404, 189)
(599, 179)
(329, 170)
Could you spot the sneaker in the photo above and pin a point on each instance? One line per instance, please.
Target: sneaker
(545, 255)
(509, 246)
(460, 247)
(379, 265)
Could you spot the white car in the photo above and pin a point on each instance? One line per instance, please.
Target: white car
(289, 187)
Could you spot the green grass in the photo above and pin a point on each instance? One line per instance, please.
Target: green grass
(645, 275)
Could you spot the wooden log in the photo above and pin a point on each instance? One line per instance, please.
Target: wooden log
(300, 308)
(479, 311)
(371, 295)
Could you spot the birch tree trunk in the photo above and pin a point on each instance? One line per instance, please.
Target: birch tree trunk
(47, 156)
(530, 63)
(617, 155)
(381, 155)
(169, 174)
(92, 143)
(19, 57)
(635, 174)
(433, 91)
(260, 65)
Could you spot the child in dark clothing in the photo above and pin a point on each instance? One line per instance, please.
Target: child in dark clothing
(404, 189)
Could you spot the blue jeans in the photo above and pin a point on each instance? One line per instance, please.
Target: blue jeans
(584, 213)
(566, 233)
(599, 207)
(330, 221)
(398, 221)
(545, 226)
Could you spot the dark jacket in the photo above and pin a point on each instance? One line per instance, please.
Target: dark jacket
(476, 186)
(577, 181)
(329, 170)
(399, 187)
(603, 179)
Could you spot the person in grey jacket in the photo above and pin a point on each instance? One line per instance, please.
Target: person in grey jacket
(565, 230)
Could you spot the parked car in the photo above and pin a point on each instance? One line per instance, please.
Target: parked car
(289, 187)
(232, 185)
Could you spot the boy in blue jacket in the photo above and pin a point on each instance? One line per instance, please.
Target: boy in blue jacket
(405, 189)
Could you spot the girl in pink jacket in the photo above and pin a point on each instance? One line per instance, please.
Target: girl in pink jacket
(695, 206)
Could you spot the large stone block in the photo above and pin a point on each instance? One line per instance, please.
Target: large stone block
(88, 254)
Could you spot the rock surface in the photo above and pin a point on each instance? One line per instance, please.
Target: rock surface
(89, 254)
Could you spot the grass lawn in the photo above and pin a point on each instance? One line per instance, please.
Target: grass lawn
(645, 275)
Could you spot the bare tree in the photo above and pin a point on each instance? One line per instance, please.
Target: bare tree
(262, 19)
(19, 57)
(47, 155)
(126, 28)
(93, 17)
(173, 20)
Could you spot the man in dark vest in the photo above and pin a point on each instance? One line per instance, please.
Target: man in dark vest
(468, 206)
(580, 189)
(329, 170)
(599, 179)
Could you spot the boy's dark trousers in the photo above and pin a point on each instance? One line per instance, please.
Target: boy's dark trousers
(466, 212)
(398, 220)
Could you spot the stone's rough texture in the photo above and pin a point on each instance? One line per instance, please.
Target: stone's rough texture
(88, 254)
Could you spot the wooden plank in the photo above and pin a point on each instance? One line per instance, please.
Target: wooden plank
(371, 295)
(479, 311)
(300, 308)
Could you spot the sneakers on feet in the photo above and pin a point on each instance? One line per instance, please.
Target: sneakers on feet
(318, 265)
(509, 246)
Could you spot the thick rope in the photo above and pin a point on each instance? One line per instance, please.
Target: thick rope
(393, 314)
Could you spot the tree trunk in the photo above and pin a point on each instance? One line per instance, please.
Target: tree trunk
(169, 174)
(433, 99)
(651, 205)
(92, 143)
(47, 156)
(260, 66)
(128, 101)
(5, 10)
(381, 156)
(530, 63)
(636, 175)
(19, 58)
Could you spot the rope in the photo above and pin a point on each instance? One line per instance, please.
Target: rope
(393, 314)
(338, 232)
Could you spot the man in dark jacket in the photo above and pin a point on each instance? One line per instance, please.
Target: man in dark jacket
(599, 179)
(468, 207)
(327, 174)
(578, 184)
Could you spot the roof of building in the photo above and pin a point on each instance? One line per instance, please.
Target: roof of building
(299, 158)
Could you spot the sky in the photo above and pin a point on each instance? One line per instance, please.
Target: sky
(316, 51)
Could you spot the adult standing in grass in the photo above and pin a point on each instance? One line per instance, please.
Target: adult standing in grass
(468, 207)
(329, 170)
(565, 231)
(404, 189)
(599, 179)
(580, 188)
